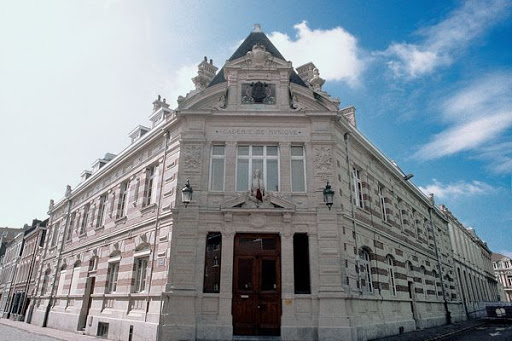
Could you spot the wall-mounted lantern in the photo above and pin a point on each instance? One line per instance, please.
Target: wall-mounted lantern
(186, 194)
(328, 195)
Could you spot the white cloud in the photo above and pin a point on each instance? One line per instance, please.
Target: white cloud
(476, 116)
(457, 189)
(181, 83)
(465, 136)
(443, 41)
(334, 52)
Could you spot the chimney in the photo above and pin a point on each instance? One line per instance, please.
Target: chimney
(205, 73)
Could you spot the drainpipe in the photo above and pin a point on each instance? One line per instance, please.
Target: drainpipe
(448, 314)
(346, 137)
(51, 298)
(157, 223)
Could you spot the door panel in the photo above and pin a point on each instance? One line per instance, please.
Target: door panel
(256, 285)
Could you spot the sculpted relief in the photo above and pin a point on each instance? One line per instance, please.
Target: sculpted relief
(323, 159)
(192, 158)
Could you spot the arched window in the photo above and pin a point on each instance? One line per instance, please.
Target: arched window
(365, 272)
(391, 275)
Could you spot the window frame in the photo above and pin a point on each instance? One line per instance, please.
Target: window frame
(100, 219)
(217, 157)
(358, 187)
(366, 263)
(55, 234)
(391, 275)
(85, 219)
(123, 195)
(382, 201)
(148, 185)
(141, 274)
(298, 158)
(216, 262)
(265, 158)
(301, 272)
(112, 277)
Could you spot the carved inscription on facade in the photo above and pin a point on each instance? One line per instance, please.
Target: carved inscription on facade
(260, 132)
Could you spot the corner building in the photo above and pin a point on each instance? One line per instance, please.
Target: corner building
(256, 251)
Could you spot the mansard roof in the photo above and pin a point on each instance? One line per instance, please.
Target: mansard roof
(256, 37)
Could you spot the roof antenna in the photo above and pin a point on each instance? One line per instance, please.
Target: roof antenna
(257, 28)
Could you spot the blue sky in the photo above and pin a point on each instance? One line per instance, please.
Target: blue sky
(431, 82)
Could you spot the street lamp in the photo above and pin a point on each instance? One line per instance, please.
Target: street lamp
(328, 195)
(186, 193)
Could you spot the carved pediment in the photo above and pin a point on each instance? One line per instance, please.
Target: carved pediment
(247, 201)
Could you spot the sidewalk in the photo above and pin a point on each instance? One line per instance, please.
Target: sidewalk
(49, 332)
(435, 333)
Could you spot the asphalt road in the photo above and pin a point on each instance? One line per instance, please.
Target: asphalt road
(493, 332)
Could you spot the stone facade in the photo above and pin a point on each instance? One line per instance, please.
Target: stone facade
(474, 270)
(256, 250)
(503, 271)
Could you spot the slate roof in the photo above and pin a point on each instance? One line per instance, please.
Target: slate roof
(497, 256)
(253, 39)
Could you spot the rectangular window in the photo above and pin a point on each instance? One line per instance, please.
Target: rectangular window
(217, 168)
(69, 232)
(400, 213)
(85, 219)
(382, 202)
(148, 186)
(298, 170)
(212, 262)
(141, 265)
(358, 188)
(55, 235)
(112, 272)
(301, 263)
(257, 168)
(121, 205)
(101, 210)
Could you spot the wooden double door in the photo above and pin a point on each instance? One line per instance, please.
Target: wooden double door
(256, 305)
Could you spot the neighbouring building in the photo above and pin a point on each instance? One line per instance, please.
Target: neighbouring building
(503, 271)
(474, 269)
(8, 279)
(7, 235)
(290, 223)
(19, 269)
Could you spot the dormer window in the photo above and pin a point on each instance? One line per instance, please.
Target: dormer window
(138, 132)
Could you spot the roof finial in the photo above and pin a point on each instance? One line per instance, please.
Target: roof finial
(257, 28)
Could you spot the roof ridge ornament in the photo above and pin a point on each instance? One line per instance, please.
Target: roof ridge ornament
(257, 28)
(259, 56)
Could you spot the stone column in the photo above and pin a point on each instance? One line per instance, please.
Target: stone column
(230, 166)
